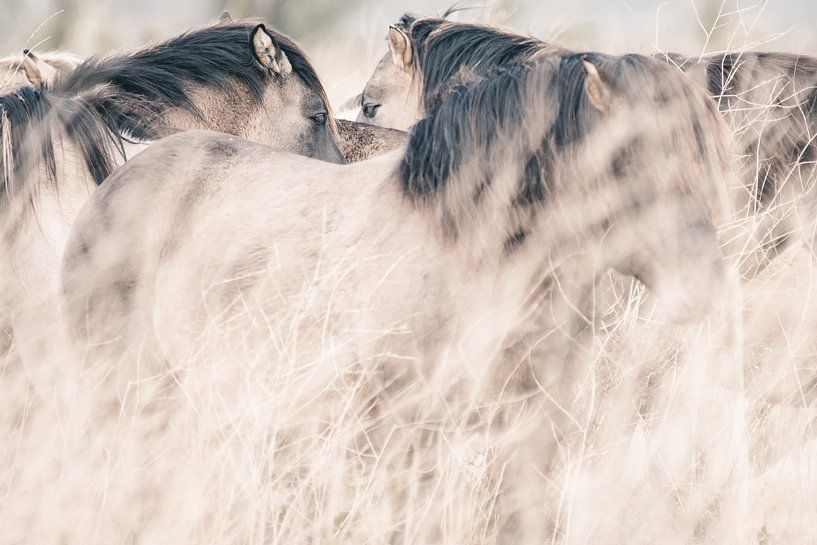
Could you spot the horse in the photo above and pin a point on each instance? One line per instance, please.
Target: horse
(769, 100)
(495, 220)
(357, 140)
(508, 202)
(34, 69)
(426, 56)
(60, 142)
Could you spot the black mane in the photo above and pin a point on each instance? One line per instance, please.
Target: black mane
(445, 49)
(535, 116)
(477, 119)
(106, 101)
(162, 76)
(93, 123)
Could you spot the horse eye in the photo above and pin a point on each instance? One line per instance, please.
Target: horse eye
(319, 119)
(369, 110)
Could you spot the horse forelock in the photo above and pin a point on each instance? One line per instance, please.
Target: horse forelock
(168, 73)
(408, 18)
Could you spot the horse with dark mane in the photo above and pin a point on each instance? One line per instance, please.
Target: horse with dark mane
(428, 56)
(769, 100)
(59, 142)
(510, 199)
(495, 220)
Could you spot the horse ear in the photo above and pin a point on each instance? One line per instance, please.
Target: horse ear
(37, 71)
(402, 52)
(597, 91)
(268, 53)
(225, 17)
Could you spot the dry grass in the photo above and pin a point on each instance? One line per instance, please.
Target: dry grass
(677, 434)
(696, 434)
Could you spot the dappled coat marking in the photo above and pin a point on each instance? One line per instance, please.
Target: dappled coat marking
(541, 176)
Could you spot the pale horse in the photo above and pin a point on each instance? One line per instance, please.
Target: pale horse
(60, 142)
(491, 225)
(768, 99)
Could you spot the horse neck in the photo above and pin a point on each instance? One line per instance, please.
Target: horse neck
(216, 111)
